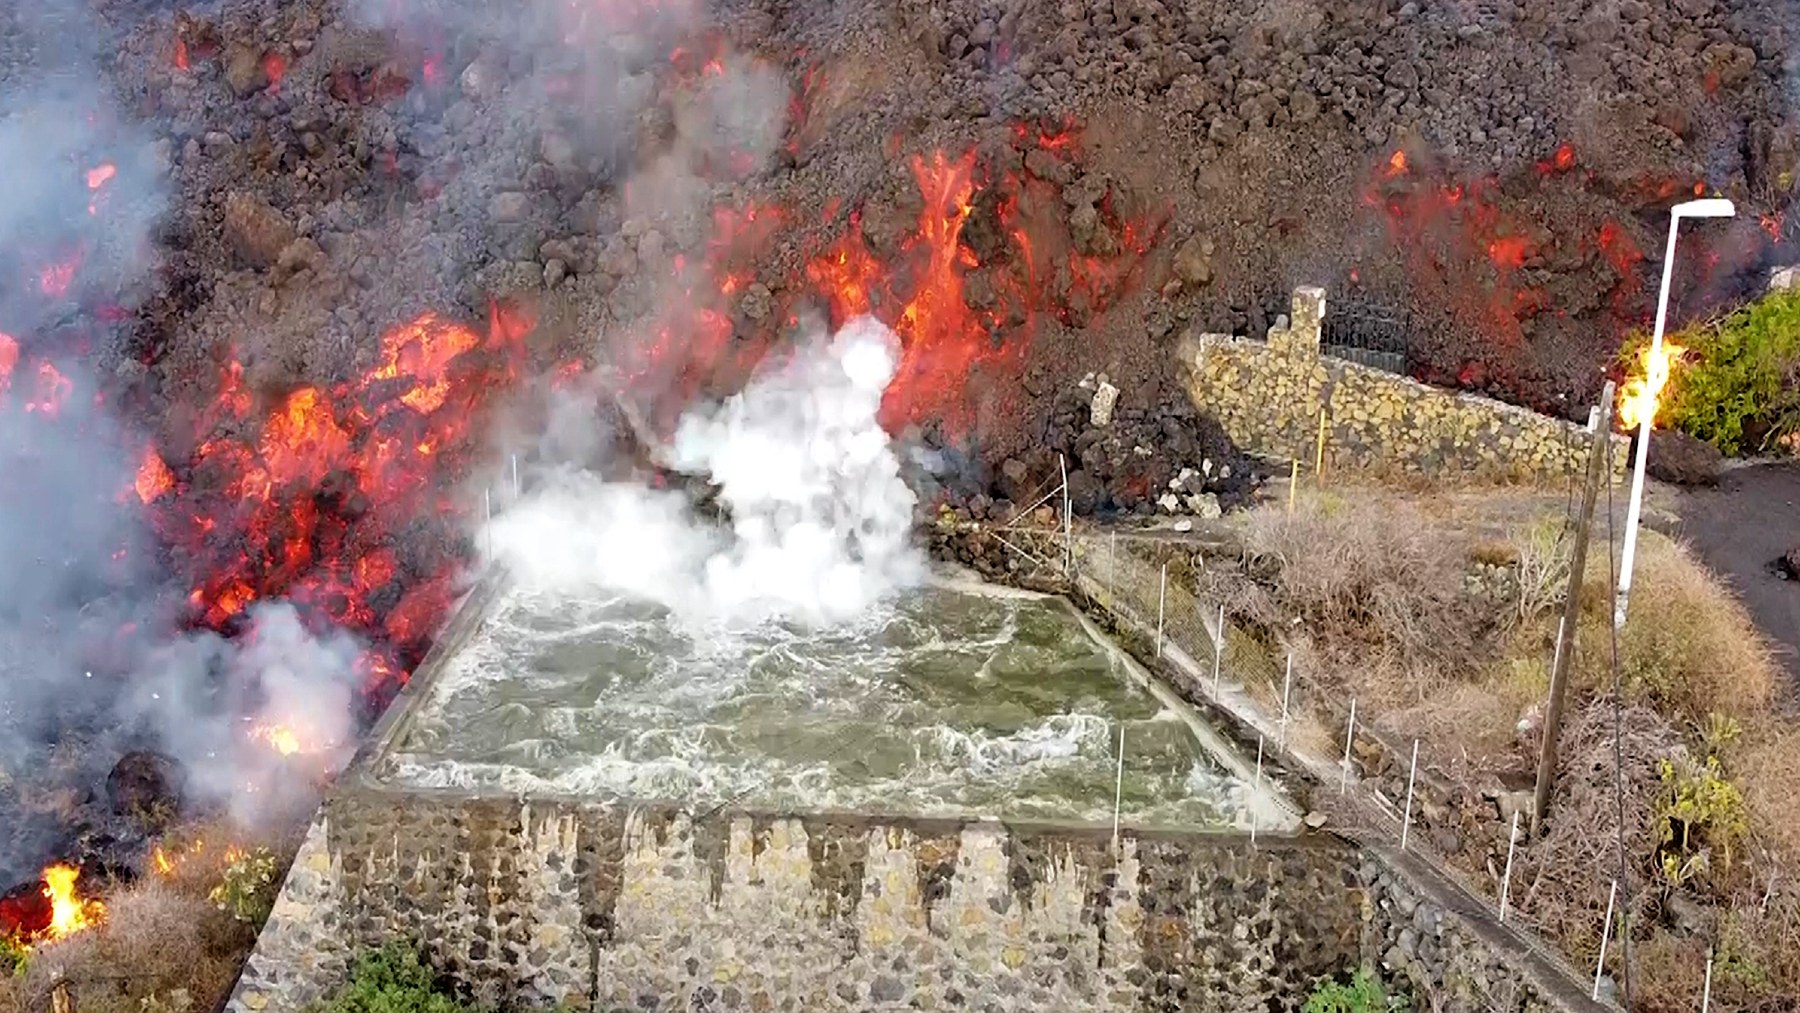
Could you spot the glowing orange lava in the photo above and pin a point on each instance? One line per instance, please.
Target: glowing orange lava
(9, 358)
(153, 477)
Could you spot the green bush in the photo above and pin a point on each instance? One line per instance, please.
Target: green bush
(1701, 815)
(1361, 994)
(1736, 387)
(15, 957)
(391, 980)
(246, 889)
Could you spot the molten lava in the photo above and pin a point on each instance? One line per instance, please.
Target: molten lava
(69, 912)
(1638, 399)
(308, 501)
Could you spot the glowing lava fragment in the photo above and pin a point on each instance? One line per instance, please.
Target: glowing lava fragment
(153, 476)
(303, 440)
(423, 351)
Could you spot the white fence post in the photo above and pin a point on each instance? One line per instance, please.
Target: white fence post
(1256, 789)
(1068, 538)
(1162, 594)
(1605, 937)
(1119, 785)
(1218, 651)
(1287, 685)
(1406, 820)
(1512, 842)
(1349, 739)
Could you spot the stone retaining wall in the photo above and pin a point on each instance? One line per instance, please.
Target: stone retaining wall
(1268, 395)
(530, 903)
(541, 902)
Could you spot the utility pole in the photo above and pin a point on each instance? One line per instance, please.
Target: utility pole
(1565, 647)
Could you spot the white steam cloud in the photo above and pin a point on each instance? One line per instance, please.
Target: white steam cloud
(820, 517)
(231, 710)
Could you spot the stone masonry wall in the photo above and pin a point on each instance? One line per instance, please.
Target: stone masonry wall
(1268, 395)
(530, 903)
(606, 907)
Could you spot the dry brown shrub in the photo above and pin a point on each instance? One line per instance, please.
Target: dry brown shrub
(1765, 764)
(1378, 589)
(156, 940)
(1688, 647)
(1561, 878)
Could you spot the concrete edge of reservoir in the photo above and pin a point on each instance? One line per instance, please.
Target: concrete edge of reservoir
(607, 904)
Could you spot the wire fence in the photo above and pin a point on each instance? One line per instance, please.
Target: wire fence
(1386, 793)
(1369, 785)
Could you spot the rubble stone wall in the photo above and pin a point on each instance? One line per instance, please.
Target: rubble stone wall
(602, 906)
(1269, 394)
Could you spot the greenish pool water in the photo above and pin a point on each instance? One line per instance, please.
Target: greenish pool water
(942, 702)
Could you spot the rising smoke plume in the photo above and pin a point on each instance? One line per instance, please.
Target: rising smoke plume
(91, 656)
(820, 517)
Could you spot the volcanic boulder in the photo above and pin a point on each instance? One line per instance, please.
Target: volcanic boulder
(144, 784)
(1684, 460)
(256, 231)
(1787, 567)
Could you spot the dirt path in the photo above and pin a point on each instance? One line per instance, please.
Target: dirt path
(1739, 529)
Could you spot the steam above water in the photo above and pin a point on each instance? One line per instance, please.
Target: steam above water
(820, 516)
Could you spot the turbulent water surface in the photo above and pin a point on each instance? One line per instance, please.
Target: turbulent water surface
(944, 702)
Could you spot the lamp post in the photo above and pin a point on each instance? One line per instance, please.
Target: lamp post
(1711, 207)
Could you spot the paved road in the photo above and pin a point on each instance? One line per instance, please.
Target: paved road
(1739, 528)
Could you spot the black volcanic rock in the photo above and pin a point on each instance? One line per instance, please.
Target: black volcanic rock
(144, 784)
(1683, 460)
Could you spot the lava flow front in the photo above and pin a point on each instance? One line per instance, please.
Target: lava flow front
(337, 499)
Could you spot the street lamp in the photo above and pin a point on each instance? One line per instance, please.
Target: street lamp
(1711, 207)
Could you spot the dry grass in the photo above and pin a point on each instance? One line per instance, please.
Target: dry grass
(162, 938)
(1385, 612)
(1689, 648)
(1374, 589)
(157, 942)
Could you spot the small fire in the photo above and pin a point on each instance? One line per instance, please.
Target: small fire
(1638, 400)
(69, 912)
(98, 177)
(281, 738)
(1396, 165)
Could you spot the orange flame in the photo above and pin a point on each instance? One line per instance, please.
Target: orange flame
(281, 738)
(1396, 164)
(1638, 399)
(69, 913)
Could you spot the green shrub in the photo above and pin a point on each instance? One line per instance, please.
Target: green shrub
(1701, 815)
(1736, 387)
(246, 889)
(15, 957)
(1361, 994)
(391, 980)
